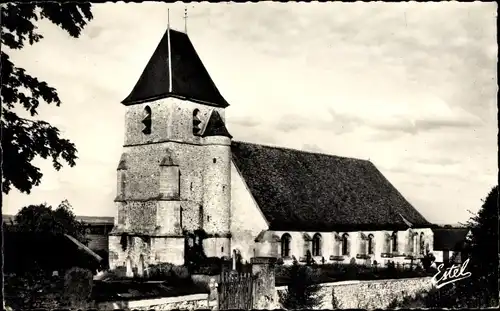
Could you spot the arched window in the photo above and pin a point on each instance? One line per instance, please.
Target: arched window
(147, 120)
(387, 244)
(196, 123)
(285, 245)
(394, 240)
(345, 244)
(412, 242)
(307, 244)
(124, 241)
(370, 244)
(316, 245)
(337, 244)
(363, 241)
(421, 243)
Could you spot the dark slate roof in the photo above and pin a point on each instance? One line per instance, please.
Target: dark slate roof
(215, 126)
(449, 238)
(22, 249)
(190, 79)
(303, 191)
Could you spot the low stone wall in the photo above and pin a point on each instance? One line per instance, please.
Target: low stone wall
(189, 302)
(369, 294)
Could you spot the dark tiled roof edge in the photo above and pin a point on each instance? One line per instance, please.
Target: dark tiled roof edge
(299, 150)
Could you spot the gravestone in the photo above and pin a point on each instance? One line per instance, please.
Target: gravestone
(265, 295)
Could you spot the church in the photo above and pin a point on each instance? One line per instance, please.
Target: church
(181, 173)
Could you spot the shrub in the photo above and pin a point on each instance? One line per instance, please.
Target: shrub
(180, 273)
(160, 271)
(335, 301)
(195, 255)
(341, 272)
(78, 285)
(352, 269)
(31, 290)
(391, 270)
(169, 273)
(209, 266)
(302, 292)
(427, 261)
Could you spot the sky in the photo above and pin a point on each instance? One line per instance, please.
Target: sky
(409, 86)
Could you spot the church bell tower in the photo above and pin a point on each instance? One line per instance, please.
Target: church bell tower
(174, 175)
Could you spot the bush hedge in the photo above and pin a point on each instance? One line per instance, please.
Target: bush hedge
(78, 284)
(346, 272)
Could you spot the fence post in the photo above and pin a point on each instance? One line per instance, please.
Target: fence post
(265, 289)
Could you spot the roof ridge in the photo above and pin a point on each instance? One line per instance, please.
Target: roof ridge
(301, 151)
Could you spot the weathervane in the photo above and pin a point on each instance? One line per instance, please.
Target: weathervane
(168, 19)
(185, 19)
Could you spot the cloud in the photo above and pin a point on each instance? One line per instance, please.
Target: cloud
(411, 122)
(247, 122)
(387, 81)
(438, 161)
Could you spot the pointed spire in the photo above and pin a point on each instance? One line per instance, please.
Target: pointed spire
(175, 70)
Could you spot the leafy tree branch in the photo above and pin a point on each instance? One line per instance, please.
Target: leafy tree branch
(23, 139)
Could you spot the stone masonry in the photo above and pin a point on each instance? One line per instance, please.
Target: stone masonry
(170, 182)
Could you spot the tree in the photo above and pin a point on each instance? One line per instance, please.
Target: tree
(303, 291)
(36, 239)
(480, 290)
(43, 219)
(35, 247)
(483, 253)
(24, 139)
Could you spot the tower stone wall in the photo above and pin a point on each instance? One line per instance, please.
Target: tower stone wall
(169, 182)
(217, 196)
(171, 120)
